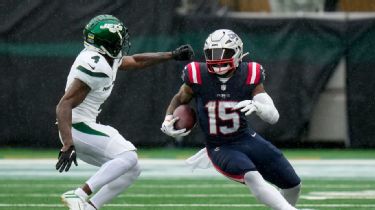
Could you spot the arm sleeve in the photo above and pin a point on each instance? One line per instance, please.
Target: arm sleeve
(266, 109)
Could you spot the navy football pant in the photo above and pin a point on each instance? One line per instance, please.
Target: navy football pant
(249, 153)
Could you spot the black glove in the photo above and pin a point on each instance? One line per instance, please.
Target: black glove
(183, 52)
(66, 158)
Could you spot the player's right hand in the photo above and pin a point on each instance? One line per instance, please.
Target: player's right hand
(168, 127)
(66, 158)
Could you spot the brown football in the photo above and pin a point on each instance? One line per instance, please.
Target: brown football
(187, 117)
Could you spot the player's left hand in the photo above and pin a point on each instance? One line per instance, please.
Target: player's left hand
(66, 158)
(183, 52)
(246, 106)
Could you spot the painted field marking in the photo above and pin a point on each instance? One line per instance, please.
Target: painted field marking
(136, 195)
(326, 195)
(154, 168)
(370, 206)
(197, 186)
(359, 195)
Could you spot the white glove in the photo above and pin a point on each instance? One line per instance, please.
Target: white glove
(168, 127)
(247, 106)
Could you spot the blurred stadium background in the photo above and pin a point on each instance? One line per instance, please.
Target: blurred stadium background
(319, 56)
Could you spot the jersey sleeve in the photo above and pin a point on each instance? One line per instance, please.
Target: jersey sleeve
(256, 74)
(191, 74)
(90, 73)
(185, 76)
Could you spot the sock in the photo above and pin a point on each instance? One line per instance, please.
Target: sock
(82, 194)
(114, 188)
(291, 194)
(266, 193)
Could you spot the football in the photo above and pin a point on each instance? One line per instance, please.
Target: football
(187, 117)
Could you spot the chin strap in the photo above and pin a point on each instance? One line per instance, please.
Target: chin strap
(101, 50)
(93, 48)
(243, 55)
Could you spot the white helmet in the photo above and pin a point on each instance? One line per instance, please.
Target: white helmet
(223, 50)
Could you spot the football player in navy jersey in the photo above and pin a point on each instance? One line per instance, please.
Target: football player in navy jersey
(226, 90)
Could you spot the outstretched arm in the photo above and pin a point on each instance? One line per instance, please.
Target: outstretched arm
(143, 60)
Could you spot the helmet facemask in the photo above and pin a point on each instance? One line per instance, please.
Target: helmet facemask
(219, 60)
(223, 52)
(119, 48)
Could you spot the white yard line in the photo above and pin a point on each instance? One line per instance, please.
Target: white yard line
(136, 195)
(197, 186)
(340, 195)
(370, 206)
(166, 168)
(322, 195)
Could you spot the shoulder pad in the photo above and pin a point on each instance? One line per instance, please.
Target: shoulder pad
(194, 73)
(255, 74)
(94, 62)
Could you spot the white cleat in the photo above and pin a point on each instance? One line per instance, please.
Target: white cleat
(73, 201)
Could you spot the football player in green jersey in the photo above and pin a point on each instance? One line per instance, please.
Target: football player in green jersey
(89, 84)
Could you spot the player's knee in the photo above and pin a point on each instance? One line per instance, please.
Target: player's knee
(253, 177)
(136, 171)
(255, 181)
(129, 160)
(297, 188)
(294, 182)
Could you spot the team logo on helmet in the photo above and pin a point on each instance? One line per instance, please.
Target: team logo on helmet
(113, 28)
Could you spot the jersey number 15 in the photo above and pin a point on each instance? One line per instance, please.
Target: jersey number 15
(222, 118)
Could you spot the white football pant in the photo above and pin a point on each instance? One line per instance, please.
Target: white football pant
(103, 146)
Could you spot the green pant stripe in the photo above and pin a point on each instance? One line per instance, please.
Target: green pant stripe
(87, 129)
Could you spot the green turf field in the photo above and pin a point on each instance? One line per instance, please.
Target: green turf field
(177, 153)
(192, 193)
(188, 194)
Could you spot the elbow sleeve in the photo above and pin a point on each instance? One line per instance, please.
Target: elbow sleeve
(266, 109)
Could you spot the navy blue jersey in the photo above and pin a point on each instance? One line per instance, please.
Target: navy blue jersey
(215, 99)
